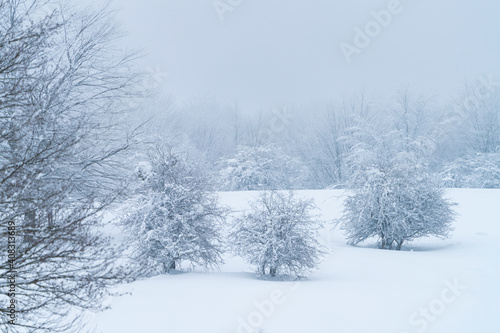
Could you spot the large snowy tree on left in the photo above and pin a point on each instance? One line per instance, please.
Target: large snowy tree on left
(175, 218)
(62, 85)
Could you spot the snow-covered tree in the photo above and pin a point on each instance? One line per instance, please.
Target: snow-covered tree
(479, 111)
(278, 235)
(481, 170)
(62, 87)
(175, 217)
(262, 168)
(393, 197)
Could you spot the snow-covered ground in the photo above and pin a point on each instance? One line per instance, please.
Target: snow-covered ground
(432, 285)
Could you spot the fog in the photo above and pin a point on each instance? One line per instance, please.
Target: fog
(135, 138)
(266, 54)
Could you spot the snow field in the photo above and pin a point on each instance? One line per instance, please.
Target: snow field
(432, 285)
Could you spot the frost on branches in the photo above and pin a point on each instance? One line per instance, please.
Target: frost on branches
(481, 170)
(175, 217)
(393, 199)
(62, 92)
(262, 168)
(278, 235)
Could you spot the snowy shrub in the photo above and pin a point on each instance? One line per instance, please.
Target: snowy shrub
(174, 217)
(278, 235)
(261, 168)
(473, 171)
(394, 199)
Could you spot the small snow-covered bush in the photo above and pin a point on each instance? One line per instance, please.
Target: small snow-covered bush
(278, 235)
(394, 199)
(175, 217)
(481, 170)
(262, 168)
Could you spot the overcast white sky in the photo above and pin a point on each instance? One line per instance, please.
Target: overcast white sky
(270, 53)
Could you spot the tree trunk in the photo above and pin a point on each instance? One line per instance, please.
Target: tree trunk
(168, 267)
(272, 271)
(382, 244)
(30, 218)
(50, 218)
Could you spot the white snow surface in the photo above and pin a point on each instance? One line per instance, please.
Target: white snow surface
(432, 285)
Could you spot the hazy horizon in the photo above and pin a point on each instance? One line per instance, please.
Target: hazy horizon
(270, 54)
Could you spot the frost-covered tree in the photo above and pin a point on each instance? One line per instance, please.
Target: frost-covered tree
(278, 235)
(262, 168)
(479, 111)
(393, 197)
(62, 86)
(175, 217)
(481, 170)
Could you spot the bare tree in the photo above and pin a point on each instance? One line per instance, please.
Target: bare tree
(480, 119)
(413, 119)
(62, 91)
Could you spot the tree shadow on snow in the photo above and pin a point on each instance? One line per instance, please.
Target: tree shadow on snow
(428, 247)
(422, 247)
